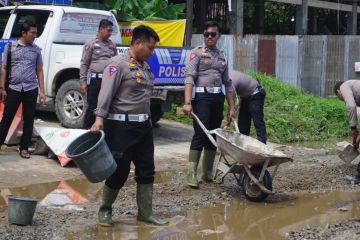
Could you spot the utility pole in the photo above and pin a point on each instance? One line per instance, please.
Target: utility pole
(237, 17)
(354, 18)
(304, 20)
(189, 22)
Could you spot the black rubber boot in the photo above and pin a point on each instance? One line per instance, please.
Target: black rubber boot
(207, 165)
(144, 194)
(194, 157)
(105, 212)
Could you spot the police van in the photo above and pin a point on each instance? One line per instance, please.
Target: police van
(62, 32)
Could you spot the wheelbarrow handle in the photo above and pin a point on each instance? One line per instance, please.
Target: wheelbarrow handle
(206, 131)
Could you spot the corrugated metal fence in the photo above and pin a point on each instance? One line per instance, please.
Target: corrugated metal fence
(312, 63)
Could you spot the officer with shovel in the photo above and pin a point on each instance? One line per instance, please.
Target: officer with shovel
(123, 111)
(252, 96)
(349, 92)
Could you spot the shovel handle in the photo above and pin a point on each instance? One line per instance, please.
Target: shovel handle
(234, 120)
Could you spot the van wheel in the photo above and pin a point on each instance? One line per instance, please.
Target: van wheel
(156, 112)
(70, 104)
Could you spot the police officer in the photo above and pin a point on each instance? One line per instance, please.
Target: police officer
(124, 111)
(93, 61)
(206, 73)
(349, 92)
(252, 104)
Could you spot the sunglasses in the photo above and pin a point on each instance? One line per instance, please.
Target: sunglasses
(208, 34)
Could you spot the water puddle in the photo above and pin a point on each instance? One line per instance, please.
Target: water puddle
(238, 219)
(69, 194)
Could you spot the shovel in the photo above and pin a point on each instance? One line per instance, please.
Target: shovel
(349, 154)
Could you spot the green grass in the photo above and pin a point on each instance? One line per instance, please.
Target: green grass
(293, 116)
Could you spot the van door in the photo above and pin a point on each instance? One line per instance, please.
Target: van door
(40, 17)
(4, 17)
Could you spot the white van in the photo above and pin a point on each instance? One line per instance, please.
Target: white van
(62, 31)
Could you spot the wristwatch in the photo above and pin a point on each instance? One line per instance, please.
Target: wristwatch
(187, 103)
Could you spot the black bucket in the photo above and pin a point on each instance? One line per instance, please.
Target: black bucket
(91, 154)
(21, 210)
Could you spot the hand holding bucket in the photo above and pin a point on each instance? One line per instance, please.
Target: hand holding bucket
(92, 155)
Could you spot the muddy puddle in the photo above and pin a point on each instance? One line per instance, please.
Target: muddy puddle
(69, 194)
(238, 219)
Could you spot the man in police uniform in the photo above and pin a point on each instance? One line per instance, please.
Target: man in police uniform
(93, 61)
(124, 111)
(206, 73)
(349, 92)
(252, 104)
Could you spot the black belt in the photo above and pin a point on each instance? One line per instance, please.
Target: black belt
(258, 89)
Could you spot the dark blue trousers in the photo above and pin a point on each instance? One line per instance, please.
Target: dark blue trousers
(130, 142)
(253, 108)
(92, 99)
(12, 103)
(209, 108)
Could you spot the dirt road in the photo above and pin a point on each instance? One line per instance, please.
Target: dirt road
(312, 200)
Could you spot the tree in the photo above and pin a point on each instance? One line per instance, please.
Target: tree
(130, 10)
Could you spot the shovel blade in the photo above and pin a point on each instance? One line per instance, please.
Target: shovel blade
(348, 154)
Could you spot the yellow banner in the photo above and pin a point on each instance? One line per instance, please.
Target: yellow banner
(171, 32)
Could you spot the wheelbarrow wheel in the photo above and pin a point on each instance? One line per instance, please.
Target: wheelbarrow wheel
(251, 190)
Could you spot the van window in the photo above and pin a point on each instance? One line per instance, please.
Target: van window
(4, 17)
(38, 17)
(78, 28)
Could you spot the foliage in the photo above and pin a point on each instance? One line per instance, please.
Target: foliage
(293, 116)
(130, 10)
(277, 18)
(172, 115)
(91, 5)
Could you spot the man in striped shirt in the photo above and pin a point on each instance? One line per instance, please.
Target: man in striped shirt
(25, 83)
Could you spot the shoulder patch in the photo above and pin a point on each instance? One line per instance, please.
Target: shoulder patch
(192, 55)
(87, 47)
(112, 70)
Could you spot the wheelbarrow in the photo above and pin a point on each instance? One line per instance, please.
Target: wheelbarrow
(251, 160)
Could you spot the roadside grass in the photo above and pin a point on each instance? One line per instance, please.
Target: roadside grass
(292, 116)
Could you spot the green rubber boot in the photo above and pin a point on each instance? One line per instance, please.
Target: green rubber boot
(105, 212)
(207, 165)
(194, 157)
(144, 194)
